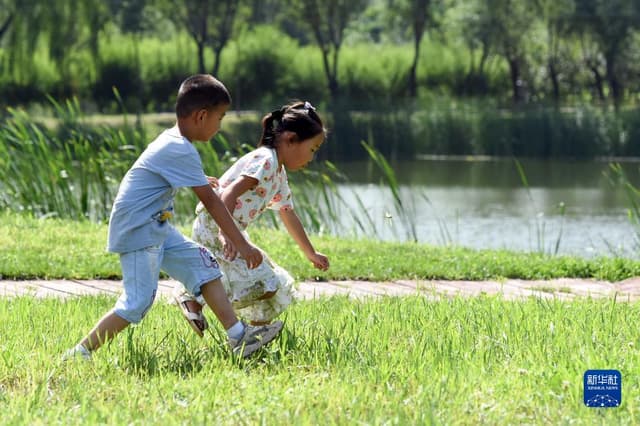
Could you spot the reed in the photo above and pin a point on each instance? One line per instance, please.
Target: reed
(619, 177)
(540, 224)
(71, 171)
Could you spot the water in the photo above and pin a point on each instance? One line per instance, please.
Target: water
(566, 207)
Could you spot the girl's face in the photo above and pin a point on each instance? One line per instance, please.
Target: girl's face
(296, 155)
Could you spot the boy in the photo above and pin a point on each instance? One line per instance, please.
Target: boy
(141, 232)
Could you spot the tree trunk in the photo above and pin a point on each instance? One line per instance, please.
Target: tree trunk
(217, 52)
(597, 81)
(614, 82)
(333, 83)
(330, 71)
(413, 80)
(419, 9)
(514, 70)
(201, 67)
(553, 74)
(5, 26)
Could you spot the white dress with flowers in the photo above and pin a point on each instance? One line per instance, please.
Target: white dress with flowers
(271, 192)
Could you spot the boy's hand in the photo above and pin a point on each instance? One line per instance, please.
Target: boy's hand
(213, 182)
(319, 260)
(228, 249)
(249, 253)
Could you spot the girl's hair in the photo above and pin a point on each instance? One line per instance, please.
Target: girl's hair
(300, 118)
(201, 91)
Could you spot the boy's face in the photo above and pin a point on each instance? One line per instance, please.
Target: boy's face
(209, 121)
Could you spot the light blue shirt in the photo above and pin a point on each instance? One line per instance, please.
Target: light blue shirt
(148, 189)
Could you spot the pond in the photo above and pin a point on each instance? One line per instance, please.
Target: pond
(563, 207)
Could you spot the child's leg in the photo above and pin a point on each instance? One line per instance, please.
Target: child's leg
(216, 297)
(110, 325)
(140, 271)
(266, 296)
(196, 268)
(272, 304)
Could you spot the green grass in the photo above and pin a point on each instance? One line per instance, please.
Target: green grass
(339, 361)
(56, 248)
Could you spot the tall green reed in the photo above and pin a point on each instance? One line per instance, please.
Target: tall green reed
(69, 171)
(72, 169)
(618, 177)
(402, 208)
(540, 223)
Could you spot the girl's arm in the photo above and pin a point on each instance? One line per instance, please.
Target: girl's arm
(296, 230)
(229, 196)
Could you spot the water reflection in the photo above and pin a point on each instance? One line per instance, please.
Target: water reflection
(485, 204)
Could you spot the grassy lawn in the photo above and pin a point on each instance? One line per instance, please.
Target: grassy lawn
(339, 361)
(52, 248)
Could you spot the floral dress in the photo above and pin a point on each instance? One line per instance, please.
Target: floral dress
(244, 285)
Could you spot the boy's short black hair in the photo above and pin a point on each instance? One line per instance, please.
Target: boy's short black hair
(200, 91)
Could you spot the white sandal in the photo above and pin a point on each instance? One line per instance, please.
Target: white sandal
(196, 320)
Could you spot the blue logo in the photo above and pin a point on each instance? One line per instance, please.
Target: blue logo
(602, 388)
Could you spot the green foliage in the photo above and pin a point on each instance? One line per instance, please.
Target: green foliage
(563, 51)
(265, 49)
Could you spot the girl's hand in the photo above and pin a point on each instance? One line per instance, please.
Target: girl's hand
(251, 255)
(228, 249)
(213, 182)
(319, 260)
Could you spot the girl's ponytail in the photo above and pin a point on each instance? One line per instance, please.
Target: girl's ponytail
(270, 124)
(298, 117)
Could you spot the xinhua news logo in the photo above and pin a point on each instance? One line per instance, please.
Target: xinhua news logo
(602, 388)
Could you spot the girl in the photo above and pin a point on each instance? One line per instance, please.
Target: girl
(258, 181)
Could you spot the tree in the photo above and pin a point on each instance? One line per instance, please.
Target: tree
(65, 27)
(328, 21)
(504, 25)
(416, 12)
(209, 23)
(556, 16)
(22, 23)
(470, 24)
(610, 23)
(223, 29)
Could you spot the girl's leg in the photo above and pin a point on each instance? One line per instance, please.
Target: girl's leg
(268, 295)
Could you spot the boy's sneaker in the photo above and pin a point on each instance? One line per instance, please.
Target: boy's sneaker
(254, 338)
(77, 351)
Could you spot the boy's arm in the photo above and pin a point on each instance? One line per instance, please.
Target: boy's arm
(220, 214)
(296, 230)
